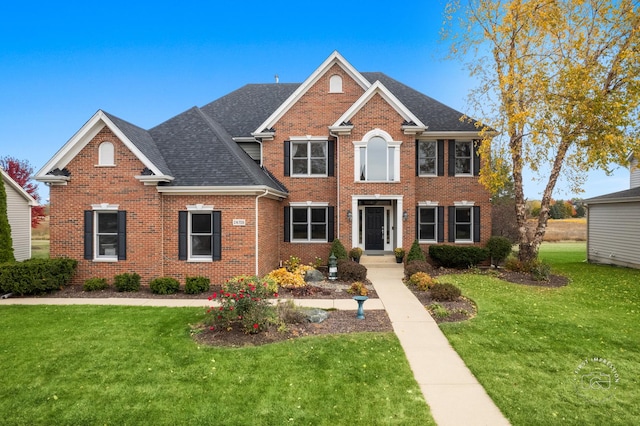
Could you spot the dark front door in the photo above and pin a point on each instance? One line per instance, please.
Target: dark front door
(374, 228)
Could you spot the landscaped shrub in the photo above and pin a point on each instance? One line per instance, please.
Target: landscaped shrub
(243, 301)
(358, 288)
(444, 292)
(36, 276)
(499, 248)
(422, 281)
(457, 256)
(338, 250)
(415, 253)
(127, 282)
(164, 285)
(283, 278)
(196, 285)
(438, 310)
(539, 271)
(414, 266)
(94, 284)
(351, 271)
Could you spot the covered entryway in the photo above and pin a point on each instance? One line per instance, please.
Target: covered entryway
(377, 222)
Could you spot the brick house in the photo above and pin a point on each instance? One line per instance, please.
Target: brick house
(265, 172)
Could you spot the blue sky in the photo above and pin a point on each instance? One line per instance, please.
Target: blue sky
(148, 61)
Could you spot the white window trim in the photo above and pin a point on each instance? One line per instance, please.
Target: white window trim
(363, 144)
(435, 173)
(198, 208)
(101, 157)
(308, 139)
(97, 257)
(432, 205)
(469, 205)
(470, 174)
(309, 205)
(335, 84)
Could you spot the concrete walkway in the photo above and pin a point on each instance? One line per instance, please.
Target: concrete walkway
(451, 391)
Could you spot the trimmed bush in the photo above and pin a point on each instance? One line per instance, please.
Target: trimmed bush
(94, 284)
(127, 282)
(36, 276)
(499, 248)
(415, 253)
(338, 250)
(422, 281)
(349, 270)
(414, 266)
(445, 292)
(196, 285)
(165, 285)
(458, 256)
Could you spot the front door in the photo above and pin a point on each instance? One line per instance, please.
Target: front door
(374, 228)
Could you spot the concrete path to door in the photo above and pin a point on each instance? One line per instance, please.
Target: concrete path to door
(450, 389)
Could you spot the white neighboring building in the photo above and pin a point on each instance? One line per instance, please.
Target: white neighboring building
(19, 204)
(613, 224)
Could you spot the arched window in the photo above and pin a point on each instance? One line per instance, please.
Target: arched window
(106, 154)
(335, 84)
(377, 158)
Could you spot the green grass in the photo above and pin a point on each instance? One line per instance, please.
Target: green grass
(117, 365)
(526, 343)
(40, 249)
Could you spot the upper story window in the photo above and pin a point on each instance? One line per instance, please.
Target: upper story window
(335, 84)
(377, 158)
(464, 157)
(106, 154)
(427, 158)
(309, 158)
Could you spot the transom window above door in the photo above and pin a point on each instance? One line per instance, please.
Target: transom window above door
(377, 158)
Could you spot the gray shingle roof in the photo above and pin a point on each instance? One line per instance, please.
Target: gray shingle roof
(626, 195)
(201, 153)
(436, 115)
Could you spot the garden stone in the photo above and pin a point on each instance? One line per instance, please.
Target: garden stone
(316, 316)
(313, 276)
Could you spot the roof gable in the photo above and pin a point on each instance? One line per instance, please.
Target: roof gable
(333, 59)
(137, 140)
(17, 188)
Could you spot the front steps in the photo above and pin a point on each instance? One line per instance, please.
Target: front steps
(380, 261)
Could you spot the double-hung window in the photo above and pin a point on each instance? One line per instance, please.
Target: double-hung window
(105, 233)
(309, 223)
(464, 222)
(199, 234)
(309, 158)
(427, 223)
(427, 158)
(464, 157)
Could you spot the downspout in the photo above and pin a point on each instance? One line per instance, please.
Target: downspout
(266, 191)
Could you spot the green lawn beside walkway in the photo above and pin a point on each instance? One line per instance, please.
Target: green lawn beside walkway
(115, 365)
(528, 345)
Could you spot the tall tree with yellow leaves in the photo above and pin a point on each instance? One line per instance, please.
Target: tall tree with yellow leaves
(559, 90)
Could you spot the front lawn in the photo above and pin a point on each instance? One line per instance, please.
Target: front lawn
(139, 365)
(527, 344)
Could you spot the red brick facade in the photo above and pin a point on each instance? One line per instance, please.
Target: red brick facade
(152, 215)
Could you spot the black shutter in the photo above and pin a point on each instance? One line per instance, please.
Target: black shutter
(440, 224)
(287, 224)
(122, 235)
(417, 157)
(452, 224)
(330, 224)
(440, 157)
(182, 235)
(88, 234)
(331, 152)
(287, 158)
(476, 157)
(476, 224)
(217, 235)
(418, 223)
(452, 158)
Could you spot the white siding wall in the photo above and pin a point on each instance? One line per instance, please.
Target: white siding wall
(613, 234)
(19, 213)
(635, 174)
